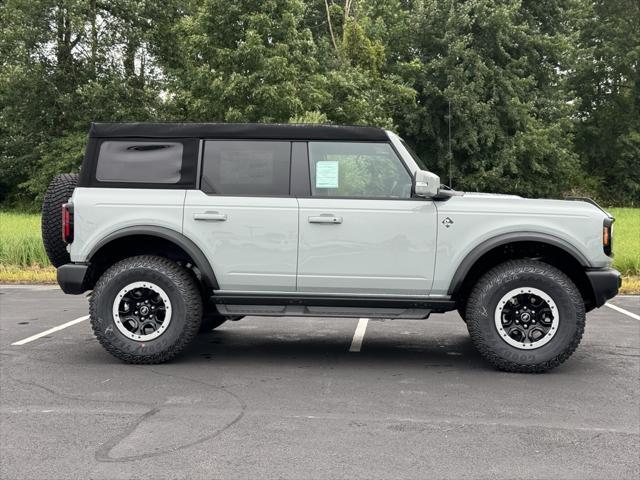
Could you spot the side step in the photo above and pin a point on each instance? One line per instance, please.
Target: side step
(329, 306)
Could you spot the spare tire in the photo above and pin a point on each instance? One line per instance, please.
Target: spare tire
(59, 191)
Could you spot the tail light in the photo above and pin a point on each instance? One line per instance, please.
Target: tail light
(67, 223)
(607, 236)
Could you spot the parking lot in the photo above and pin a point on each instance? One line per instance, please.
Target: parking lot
(303, 398)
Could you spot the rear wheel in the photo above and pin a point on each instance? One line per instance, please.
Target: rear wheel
(146, 309)
(525, 316)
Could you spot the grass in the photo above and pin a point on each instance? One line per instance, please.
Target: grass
(22, 255)
(626, 240)
(13, 274)
(20, 240)
(626, 247)
(23, 259)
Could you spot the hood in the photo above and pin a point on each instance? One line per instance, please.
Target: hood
(499, 202)
(482, 194)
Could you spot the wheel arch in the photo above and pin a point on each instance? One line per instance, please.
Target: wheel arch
(546, 247)
(127, 242)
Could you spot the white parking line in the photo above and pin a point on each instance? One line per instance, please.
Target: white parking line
(358, 336)
(623, 311)
(51, 330)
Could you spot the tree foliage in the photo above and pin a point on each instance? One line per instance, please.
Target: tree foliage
(542, 97)
(607, 85)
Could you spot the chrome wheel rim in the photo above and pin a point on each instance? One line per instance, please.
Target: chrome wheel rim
(142, 311)
(526, 318)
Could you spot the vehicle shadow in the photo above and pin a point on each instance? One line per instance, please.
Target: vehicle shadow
(226, 347)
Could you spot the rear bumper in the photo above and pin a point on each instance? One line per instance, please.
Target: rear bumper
(72, 278)
(605, 283)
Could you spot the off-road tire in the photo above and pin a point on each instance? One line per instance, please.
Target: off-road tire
(58, 193)
(483, 302)
(182, 290)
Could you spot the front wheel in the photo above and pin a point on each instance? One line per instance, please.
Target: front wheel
(525, 316)
(146, 309)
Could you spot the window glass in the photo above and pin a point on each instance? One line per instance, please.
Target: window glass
(357, 169)
(239, 167)
(139, 162)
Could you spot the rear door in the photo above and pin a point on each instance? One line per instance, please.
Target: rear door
(360, 230)
(243, 218)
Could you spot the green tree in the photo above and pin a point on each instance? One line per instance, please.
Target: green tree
(65, 63)
(246, 61)
(266, 61)
(544, 94)
(607, 83)
(354, 57)
(500, 65)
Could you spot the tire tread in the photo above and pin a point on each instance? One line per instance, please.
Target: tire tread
(499, 275)
(185, 283)
(58, 193)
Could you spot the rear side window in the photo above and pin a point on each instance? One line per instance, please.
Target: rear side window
(139, 162)
(239, 167)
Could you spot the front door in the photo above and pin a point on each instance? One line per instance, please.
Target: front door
(243, 218)
(360, 230)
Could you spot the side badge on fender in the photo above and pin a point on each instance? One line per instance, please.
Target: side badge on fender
(447, 222)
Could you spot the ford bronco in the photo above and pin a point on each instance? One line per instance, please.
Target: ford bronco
(178, 227)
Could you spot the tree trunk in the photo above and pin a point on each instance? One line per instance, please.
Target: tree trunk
(94, 36)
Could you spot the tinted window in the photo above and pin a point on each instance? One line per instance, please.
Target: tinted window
(139, 161)
(239, 167)
(357, 169)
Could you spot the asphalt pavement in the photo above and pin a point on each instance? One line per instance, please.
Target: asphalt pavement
(311, 398)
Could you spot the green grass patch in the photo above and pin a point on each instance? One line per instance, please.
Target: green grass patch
(13, 274)
(21, 241)
(626, 240)
(21, 244)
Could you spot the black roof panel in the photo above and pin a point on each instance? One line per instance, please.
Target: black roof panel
(237, 130)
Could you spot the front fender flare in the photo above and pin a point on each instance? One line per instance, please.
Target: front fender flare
(503, 239)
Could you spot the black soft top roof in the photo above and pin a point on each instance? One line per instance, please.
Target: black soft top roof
(237, 130)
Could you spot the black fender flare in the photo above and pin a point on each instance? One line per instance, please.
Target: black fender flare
(503, 239)
(165, 233)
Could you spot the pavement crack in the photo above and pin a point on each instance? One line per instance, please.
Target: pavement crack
(67, 396)
(103, 454)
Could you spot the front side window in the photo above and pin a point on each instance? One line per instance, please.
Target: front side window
(130, 161)
(357, 169)
(240, 167)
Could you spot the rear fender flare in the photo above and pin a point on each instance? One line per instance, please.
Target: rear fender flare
(208, 276)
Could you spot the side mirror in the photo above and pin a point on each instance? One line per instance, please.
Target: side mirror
(426, 184)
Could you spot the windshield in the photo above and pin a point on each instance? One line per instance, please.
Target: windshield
(414, 155)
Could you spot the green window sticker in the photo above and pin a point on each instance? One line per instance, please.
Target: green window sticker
(327, 172)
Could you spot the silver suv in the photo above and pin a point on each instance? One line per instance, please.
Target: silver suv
(179, 227)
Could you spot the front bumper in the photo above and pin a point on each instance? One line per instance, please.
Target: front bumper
(605, 283)
(72, 278)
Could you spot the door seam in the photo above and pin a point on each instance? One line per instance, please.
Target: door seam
(298, 244)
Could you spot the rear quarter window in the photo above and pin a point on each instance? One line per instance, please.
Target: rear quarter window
(154, 162)
(143, 163)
